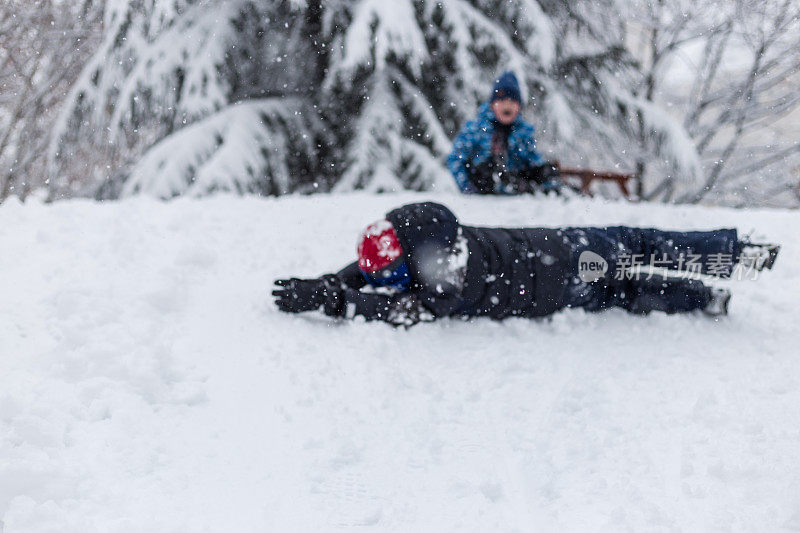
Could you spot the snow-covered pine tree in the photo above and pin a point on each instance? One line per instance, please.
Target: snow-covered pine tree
(272, 96)
(395, 138)
(155, 108)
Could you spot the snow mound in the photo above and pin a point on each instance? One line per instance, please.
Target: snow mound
(147, 383)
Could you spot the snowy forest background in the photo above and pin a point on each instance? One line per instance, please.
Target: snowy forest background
(111, 98)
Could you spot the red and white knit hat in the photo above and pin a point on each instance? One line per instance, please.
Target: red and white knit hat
(379, 249)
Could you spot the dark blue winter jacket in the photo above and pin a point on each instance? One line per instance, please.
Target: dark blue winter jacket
(498, 272)
(473, 146)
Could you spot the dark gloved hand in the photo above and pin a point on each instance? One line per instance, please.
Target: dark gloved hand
(518, 183)
(482, 178)
(407, 310)
(298, 295)
(546, 177)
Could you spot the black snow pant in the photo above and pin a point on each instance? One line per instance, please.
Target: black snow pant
(629, 283)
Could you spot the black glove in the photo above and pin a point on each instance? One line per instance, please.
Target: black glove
(298, 295)
(482, 178)
(407, 310)
(518, 183)
(545, 176)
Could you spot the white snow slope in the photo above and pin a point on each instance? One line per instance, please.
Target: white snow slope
(148, 384)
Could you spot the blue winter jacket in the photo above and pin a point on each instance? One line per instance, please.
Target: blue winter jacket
(473, 145)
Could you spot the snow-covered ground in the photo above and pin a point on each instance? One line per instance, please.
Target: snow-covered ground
(148, 384)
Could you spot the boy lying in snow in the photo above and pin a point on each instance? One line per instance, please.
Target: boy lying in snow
(420, 264)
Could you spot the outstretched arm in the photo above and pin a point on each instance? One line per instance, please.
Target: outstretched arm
(352, 276)
(401, 309)
(296, 295)
(338, 295)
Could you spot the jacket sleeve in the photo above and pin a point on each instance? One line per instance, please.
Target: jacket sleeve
(351, 276)
(370, 305)
(441, 305)
(528, 153)
(404, 308)
(460, 157)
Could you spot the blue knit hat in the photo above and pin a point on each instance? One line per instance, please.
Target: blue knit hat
(506, 86)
